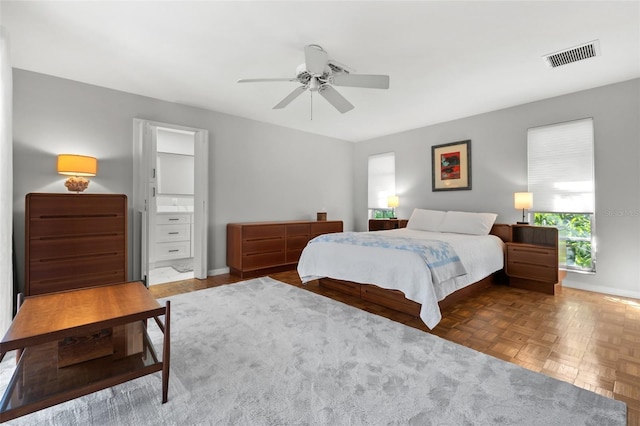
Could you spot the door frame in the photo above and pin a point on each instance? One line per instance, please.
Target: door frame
(144, 189)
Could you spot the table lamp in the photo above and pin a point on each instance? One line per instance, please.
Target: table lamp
(77, 167)
(523, 200)
(393, 201)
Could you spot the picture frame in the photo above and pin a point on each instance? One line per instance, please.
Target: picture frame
(451, 166)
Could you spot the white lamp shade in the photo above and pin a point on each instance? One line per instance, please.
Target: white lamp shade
(77, 165)
(523, 200)
(393, 201)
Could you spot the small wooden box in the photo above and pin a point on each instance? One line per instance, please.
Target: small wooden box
(73, 350)
(321, 216)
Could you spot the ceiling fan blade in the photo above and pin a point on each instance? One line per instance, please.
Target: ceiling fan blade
(335, 98)
(340, 65)
(290, 97)
(368, 81)
(315, 59)
(260, 80)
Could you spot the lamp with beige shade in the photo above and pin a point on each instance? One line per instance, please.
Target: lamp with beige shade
(523, 200)
(393, 201)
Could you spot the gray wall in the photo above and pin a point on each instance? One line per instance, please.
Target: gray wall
(499, 168)
(265, 172)
(257, 171)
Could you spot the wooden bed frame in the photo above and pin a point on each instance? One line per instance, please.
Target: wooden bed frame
(394, 299)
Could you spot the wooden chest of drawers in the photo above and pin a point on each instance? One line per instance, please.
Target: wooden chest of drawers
(532, 262)
(172, 237)
(257, 247)
(385, 224)
(532, 258)
(74, 241)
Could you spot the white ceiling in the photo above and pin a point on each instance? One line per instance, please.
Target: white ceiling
(446, 60)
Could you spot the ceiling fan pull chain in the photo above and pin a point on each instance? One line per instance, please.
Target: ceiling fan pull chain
(311, 106)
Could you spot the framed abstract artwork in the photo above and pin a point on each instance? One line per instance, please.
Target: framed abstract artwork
(451, 166)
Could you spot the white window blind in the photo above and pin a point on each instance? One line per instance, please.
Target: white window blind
(382, 179)
(561, 175)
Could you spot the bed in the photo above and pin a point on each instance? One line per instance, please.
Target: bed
(391, 267)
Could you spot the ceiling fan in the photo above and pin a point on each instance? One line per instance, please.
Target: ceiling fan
(319, 74)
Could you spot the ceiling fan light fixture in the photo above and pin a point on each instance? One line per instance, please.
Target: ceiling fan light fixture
(319, 74)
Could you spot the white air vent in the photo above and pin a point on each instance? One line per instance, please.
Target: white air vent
(573, 54)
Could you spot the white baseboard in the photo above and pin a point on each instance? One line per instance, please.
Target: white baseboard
(601, 289)
(220, 271)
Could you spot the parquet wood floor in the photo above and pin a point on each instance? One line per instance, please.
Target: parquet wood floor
(589, 339)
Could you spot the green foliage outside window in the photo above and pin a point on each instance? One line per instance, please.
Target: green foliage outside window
(382, 213)
(575, 237)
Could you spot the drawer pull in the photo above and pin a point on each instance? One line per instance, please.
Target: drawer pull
(539, 265)
(173, 233)
(249, 240)
(263, 253)
(173, 251)
(531, 250)
(174, 218)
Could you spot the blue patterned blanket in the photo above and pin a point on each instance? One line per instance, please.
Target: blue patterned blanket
(439, 256)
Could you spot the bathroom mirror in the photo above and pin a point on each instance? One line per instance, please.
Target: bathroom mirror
(175, 174)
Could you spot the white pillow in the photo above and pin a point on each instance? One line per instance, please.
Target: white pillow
(426, 220)
(468, 223)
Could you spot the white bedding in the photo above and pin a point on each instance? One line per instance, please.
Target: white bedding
(404, 270)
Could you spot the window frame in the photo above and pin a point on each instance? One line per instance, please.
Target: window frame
(563, 249)
(380, 210)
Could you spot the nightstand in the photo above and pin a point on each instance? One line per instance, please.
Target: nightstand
(532, 258)
(384, 224)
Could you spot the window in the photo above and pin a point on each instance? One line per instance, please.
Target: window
(561, 178)
(381, 183)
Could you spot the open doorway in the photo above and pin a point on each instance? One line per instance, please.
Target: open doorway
(170, 202)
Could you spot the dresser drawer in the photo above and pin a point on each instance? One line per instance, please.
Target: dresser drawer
(75, 227)
(532, 262)
(61, 268)
(172, 219)
(81, 247)
(533, 272)
(293, 255)
(263, 245)
(262, 232)
(93, 277)
(531, 255)
(173, 250)
(298, 230)
(76, 205)
(168, 233)
(262, 260)
(298, 242)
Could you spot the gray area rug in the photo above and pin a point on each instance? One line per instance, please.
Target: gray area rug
(262, 352)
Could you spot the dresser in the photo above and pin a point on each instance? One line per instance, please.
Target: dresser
(172, 236)
(254, 248)
(74, 241)
(532, 258)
